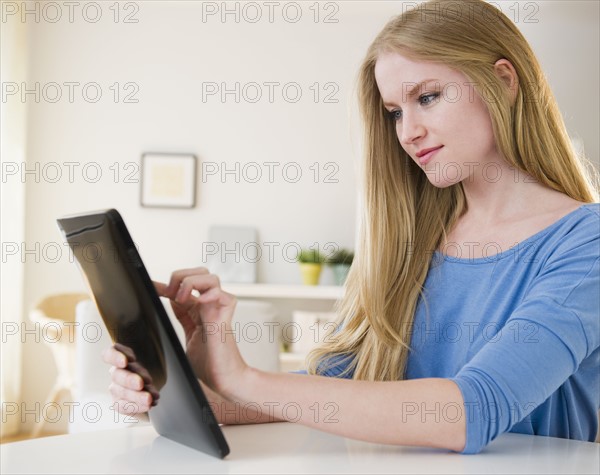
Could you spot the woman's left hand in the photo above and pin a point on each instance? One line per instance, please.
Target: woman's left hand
(206, 317)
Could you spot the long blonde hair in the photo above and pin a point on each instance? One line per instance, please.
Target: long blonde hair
(405, 218)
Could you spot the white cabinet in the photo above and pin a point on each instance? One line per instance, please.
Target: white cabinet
(287, 299)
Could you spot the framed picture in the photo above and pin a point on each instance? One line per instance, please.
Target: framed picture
(168, 180)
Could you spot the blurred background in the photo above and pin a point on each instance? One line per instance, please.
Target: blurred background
(261, 93)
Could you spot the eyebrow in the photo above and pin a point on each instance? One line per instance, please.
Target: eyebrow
(412, 91)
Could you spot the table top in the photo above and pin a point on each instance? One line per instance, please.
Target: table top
(287, 448)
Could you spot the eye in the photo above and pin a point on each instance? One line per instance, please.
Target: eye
(430, 98)
(395, 114)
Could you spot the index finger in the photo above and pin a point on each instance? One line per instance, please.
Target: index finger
(178, 276)
(161, 289)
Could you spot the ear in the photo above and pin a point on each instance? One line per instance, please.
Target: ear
(506, 71)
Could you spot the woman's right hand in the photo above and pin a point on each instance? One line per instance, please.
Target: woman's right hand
(131, 387)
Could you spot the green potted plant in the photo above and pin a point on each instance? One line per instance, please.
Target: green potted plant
(340, 261)
(311, 262)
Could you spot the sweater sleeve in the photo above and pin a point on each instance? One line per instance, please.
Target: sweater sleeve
(543, 342)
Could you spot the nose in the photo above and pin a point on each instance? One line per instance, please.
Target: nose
(410, 129)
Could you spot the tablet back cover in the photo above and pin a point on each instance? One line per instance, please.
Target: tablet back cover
(135, 317)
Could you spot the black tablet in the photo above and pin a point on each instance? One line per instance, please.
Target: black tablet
(136, 319)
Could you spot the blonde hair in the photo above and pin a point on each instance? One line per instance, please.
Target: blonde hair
(405, 217)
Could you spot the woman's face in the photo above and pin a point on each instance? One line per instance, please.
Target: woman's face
(441, 122)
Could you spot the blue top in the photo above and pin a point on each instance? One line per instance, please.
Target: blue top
(518, 332)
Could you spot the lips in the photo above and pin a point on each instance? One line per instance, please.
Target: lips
(426, 154)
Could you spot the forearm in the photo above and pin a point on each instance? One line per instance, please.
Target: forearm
(228, 412)
(423, 412)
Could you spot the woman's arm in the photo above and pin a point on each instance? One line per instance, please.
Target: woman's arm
(228, 412)
(424, 412)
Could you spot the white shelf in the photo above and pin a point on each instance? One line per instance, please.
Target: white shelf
(278, 291)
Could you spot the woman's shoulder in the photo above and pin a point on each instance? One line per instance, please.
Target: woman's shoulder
(592, 209)
(586, 217)
(569, 217)
(576, 232)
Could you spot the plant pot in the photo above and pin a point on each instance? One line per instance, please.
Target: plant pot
(340, 272)
(310, 273)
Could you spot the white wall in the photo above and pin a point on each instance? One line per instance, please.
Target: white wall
(567, 41)
(168, 54)
(13, 68)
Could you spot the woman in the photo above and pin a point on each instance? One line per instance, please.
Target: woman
(472, 306)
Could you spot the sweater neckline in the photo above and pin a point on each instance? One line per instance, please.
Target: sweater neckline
(438, 256)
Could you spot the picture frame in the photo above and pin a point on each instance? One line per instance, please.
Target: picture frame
(168, 180)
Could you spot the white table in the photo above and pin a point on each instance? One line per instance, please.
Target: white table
(287, 448)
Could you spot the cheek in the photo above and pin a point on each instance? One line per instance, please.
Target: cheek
(486, 130)
(477, 125)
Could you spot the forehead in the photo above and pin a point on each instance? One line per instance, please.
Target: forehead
(395, 72)
(394, 62)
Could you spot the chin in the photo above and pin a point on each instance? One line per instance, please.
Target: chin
(435, 181)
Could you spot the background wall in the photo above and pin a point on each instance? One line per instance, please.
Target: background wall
(165, 61)
(13, 68)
